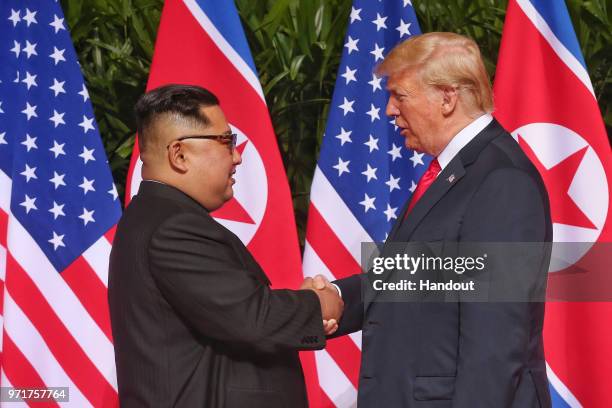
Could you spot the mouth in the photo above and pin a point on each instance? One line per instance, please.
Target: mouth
(232, 179)
(403, 129)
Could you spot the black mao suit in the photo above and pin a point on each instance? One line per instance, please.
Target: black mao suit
(194, 321)
(461, 354)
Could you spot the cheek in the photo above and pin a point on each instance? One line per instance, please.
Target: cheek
(412, 110)
(404, 112)
(222, 169)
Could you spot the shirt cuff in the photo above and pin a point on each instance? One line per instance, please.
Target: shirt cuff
(338, 289)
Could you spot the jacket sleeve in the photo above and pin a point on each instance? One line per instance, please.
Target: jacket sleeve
(352, 317)
(204, 279)
(493, 339)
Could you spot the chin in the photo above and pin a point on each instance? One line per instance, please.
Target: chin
(228, 196)
(413, 146)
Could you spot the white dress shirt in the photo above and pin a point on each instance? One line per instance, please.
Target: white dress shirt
(462, 138)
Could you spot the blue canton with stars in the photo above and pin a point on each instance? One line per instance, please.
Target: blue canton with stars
(362, 155)
(62, 188)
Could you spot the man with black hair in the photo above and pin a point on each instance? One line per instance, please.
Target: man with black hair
(194, 320)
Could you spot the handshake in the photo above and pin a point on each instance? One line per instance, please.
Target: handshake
(331, 302)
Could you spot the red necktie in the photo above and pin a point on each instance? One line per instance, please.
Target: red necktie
(428, 177)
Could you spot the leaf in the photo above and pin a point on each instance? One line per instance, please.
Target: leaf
(295, 66)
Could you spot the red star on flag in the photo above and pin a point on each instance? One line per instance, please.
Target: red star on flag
(558, 180)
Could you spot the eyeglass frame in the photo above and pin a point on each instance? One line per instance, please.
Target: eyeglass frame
(223, 138)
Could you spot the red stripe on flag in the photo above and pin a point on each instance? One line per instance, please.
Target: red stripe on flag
(347, 356)
(110, 234)
(92, 293)
(309, 368)
(328, 247)
(3, 227)
(1, 301)
(64, 347)
(19, 371)
(3, 239)
(325, 401)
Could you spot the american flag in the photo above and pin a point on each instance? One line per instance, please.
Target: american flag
(58, 209)
(364, 175)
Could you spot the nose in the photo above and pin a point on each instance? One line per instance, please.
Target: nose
(236, 157)
(392, 109)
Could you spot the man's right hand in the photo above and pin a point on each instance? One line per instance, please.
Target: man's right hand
(331, 303)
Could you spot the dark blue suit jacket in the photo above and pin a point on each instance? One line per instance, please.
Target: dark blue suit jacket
(460, 354)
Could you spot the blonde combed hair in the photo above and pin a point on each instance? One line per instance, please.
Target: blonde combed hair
(444, 60)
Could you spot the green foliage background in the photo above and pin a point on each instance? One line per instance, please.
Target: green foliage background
(296, 46)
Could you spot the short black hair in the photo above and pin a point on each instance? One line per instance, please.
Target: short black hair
(183, 101)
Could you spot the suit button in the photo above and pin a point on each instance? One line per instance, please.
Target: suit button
(310, 339)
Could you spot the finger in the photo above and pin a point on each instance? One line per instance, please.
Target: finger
(306, 284)
(321, 277)
(320, 282)
(326, 327)
(330, 329)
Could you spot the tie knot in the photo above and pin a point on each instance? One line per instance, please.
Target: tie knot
(434, 166)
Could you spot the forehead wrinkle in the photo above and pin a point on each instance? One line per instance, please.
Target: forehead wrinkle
(400, 87)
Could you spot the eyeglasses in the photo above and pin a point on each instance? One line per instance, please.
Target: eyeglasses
(228, 139)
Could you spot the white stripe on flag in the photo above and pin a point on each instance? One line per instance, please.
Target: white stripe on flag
(333, 381)
(313, 265)
(561, 389)
(2, 264)
(225, 47)
(97, 256)
(356, 337)
(5, 192)
(30, 343)
(337, 214)
(566, 56)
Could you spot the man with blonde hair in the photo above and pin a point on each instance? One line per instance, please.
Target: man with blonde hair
(480, 187)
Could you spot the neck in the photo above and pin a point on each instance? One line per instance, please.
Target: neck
(450, 129)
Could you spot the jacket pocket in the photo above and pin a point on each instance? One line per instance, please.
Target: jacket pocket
(434, 388)
(244, 397)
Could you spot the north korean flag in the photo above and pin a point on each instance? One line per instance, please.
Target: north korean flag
(544, 97)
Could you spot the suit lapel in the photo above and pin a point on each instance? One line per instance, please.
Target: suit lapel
(445, 180)
(452, 173)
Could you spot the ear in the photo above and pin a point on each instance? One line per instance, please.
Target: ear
(176, 157)
(449, 100)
